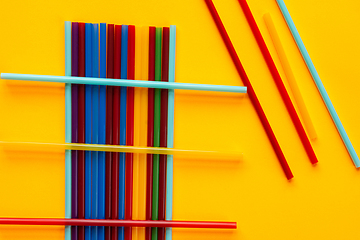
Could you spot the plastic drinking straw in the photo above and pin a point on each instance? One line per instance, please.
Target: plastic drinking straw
(125, 83)
(318, 83)
(163, 129)
(88, 108)
(81, 154)
(157, 116)
(129, 131)
(67, 128)
(170, 139)
(116, 132)
(279, 83)
(95, 128)
(74, 125)
(180, 153)
(251, 92)
(123, 103)
(143, 127)
(109, 128)
(116, 223)
(150, 136)
(137, 107)
(290, 76)
(102, 130)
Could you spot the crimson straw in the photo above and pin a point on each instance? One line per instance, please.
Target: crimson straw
(250, 90)
(117, 223)
(109, 126)
(129, 131)
(81, 130)
(279, 83)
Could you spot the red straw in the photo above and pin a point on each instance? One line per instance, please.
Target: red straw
(279, 83)
(81, 130)
(129, 131)
(150, 140)
(250, 90)
(116, 223)
(109, 121)
(163, 129)
(116, 131)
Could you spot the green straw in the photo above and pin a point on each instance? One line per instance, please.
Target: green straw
(157, 114)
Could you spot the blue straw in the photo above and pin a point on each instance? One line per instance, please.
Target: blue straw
(124, 82)
(88, 73)
(123, 96)
(170, 139)
(102, 125)
(67, 128)
(95, 127)
(318, 83)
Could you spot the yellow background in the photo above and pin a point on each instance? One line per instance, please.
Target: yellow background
(321, 202)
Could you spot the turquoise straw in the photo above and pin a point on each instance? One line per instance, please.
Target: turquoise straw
(123, 82)
(170, 138)
(318, 83)
(67, 128)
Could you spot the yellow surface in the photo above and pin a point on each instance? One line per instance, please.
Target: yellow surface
(321, 202)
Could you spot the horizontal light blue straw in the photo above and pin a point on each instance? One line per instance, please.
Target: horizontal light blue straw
(67, 128)
(124, 82)
(318, 83)
(170, 138)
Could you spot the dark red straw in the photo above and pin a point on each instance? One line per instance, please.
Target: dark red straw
(129, 131)
(279, 83)
(163, 130)
(116, 131)
(150, 140)
(116, 223)
(81, 130)
(250, 89)
(74, 125)
(109, 122)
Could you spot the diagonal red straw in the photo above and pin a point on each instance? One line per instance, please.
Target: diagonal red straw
(279, 83)
(250, 89)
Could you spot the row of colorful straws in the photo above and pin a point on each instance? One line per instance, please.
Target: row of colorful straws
(120, 185)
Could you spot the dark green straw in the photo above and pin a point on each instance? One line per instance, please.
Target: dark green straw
(157, 114)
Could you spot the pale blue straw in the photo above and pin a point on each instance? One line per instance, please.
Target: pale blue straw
(318, 83)
(67, 128)
(123, 82)
(170, 138)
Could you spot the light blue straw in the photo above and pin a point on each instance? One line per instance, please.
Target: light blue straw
(67, 128)
(95, 128)
(318, 83)
(170, 138)
(124, 82)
